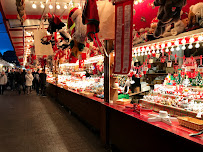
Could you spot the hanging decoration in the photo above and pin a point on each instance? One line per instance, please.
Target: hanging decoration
(123, 38)
(21, 10)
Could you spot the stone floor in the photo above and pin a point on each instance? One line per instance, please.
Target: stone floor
(30, 123)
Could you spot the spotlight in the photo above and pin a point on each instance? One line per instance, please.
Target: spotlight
(34, 5)
(50, 6)
(42, 5)
(65, 7)
(58, 6)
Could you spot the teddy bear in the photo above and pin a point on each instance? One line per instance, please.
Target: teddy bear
(178, 28)
(166, 14)
(195, 14)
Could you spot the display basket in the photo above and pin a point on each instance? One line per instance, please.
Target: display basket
(191, 123)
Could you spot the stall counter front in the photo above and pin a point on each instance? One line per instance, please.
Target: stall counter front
(124, 128)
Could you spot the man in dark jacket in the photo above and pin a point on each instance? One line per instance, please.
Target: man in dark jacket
(11, 79)
(43, 78)
(20, 80)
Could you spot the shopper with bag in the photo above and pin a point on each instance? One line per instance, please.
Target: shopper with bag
(42, 78)
(3, 82)
(28, 81)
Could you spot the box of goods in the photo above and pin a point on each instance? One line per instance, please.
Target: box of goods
(123, 101)
(87, 94)
(191, 123)
(173, 111)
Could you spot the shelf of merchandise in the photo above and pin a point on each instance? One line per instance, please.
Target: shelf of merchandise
(182, 35)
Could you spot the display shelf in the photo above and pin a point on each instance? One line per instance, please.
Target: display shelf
(170, 38)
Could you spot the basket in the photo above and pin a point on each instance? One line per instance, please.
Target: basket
(191, 123)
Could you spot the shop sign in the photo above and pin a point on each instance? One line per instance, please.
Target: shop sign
(123, 36)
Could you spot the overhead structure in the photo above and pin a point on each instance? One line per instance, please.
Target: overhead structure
(21, 34)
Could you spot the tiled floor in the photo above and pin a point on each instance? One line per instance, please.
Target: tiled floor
(29, 123)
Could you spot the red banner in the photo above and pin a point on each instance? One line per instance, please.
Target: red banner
(123, 36)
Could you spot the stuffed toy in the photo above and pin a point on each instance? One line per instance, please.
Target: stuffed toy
(195, 14)
(166, 15)
(55, 23)
(21, 10)
(91, 18)
(141, 36)
(78, 31)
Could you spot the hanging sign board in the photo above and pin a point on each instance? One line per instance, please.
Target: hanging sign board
(123, 36)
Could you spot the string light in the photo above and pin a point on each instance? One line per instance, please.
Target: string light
(167, 50)
(136, 2)
(34, 5)
(50, 6)
(178, 48)
(42, 5)
(200, 38)
(197, 45)
(147, 48)
(142, 53)
(192, 39)
(145, 53)
(157, 52)
(183, 47)
(135, 54)
(163, 45)
(149, 52)
(143, 49)
(172, 49)
(139, 50)
(157, 46)
(183, 41)
(138, 54)
(190, 46)
(153, 48)
(176, 42)
(169, 44)
(153, 52)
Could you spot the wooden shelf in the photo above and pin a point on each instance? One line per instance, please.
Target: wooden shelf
(171, 37)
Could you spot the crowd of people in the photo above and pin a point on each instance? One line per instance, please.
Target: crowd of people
(23, 81)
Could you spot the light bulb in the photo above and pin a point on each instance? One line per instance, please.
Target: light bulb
(28, 40)
(42, 5)
(58, 6)
(183, 47)
(50, 6)
(157, 46)
(172, 49)
(192, 39)
(138, 54)
(190, 46)
(139, 50)
(135, 54)
(178, 48)
(169, 44)
(136, 2)
(197, 45)
(147, 48)
(65, 7)
(146, 53)
(79, 6)
(163, 45)
(183, 41)
(140, 1)
(71, 3)
(157, 52)
(200, 38)
(34, 6)
(143, 49)
(167, 50)
(153, 48)
(176, 42)
(142, 53)
(153, 52)
(149, 52)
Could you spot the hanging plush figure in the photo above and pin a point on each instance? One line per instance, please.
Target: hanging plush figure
(91, 18)
(78, 31)
(166, 14)
(54, 23)
(21, 10)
